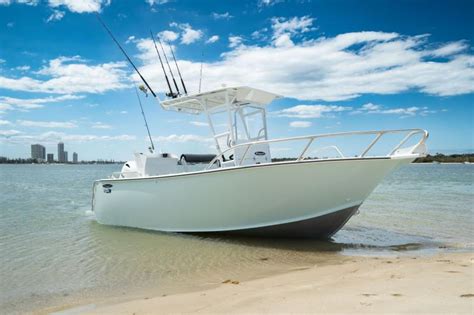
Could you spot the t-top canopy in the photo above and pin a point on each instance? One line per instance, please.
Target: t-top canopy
(237, 96)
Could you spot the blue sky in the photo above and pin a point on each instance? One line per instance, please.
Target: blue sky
(344, 65)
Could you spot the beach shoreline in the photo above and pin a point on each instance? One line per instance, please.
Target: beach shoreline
(439, 283)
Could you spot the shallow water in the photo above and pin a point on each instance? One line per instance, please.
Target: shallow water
(52, 252)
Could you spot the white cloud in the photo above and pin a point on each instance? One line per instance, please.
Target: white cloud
(450, 49)
(300, 124)
(66, 75)
(10, 103)
(9, 133)
(188, 35)
(55, 16)
(182, 138)
(268, 3)
(10, 24)
(284, 28)
(27, 2)
(23, 68)
(53, 137)
(331, 69)
(199, 123)
(222, 16)
(124, 112)
(371, 108)
(82, 6)
(281, 25)
(168, 36)
(212, 39)
(153, 2)
(100, 125)
(235, 41)
(5, 123)
(46, 124)
(130, 39)
(311, 111)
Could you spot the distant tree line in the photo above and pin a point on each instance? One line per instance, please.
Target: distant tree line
(441, 158)
(438, 157)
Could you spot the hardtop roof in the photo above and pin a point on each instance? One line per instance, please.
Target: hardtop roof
(198, 103)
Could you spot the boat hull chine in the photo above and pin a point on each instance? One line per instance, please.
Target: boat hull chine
(322, 227)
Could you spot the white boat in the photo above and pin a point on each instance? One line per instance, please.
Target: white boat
(241, 189)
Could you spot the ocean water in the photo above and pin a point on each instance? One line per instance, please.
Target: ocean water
(53, 253)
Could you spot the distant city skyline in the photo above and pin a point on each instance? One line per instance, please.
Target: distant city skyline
(38, 152)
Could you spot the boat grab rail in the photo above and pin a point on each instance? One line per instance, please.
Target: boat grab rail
(378, 134)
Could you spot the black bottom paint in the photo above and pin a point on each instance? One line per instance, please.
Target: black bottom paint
(322, 227)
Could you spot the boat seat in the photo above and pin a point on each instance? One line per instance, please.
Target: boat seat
(196, 158)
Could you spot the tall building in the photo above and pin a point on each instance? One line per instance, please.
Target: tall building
(38, 152)
(61, 157)
(74, 157)
(65, 157)
(50, 157)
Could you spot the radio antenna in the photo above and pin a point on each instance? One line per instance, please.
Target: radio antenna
(169, 67)
(152, 147)
(171, 93)
(123, 51)
(179, 72)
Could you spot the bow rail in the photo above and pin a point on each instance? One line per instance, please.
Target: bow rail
(418, 149)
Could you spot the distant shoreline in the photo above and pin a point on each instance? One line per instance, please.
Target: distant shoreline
(464, 158)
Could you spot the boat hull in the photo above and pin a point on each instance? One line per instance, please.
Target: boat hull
(290, 199)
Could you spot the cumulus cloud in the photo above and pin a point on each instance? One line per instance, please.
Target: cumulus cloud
(68, 75)
(336, 68)
(82, 6)
(189, 35)
(55, 16)
(311, 111)
(371, 108)
(53, 137)
(449, 49)
(153, 2)
(100, 125)
(182, 138)
(22, 68)
(212, 39)
(199, 123)
(222, 16)
(11, 103)
(268, 3)
(27, 2)
(168, 35)
(235, 41)
(5, 122)
(300, 124)
(284, 28)
(46, 124)
(9, 133)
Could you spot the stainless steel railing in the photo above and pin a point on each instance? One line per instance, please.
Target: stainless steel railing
(312, 138)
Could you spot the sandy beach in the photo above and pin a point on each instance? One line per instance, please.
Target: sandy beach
(443, 283)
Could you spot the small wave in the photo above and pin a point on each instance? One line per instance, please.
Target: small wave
(89, 213)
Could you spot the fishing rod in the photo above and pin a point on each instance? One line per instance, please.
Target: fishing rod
(171, 93)
(166, 58)
(123, 51)
(179, 72)
(200, 72)
(152, 148)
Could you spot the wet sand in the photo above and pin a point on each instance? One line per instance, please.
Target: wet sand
(443, 283)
